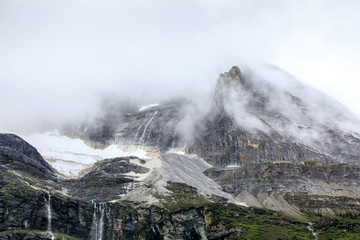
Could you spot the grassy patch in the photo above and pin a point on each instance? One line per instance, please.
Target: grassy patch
(345, 226)
(28, 232)
(251, 223)
(183, 196)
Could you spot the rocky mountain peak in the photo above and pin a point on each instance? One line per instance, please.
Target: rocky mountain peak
(228, 81)
(234, 72)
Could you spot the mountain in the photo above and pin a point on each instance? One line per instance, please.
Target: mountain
(259, 161)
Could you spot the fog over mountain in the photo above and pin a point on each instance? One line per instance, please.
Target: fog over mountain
(62, 61)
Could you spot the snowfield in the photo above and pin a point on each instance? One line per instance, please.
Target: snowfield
(147, 106)
(70, 156)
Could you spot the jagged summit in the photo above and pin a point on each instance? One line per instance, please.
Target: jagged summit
(234, 73)
(228, 80)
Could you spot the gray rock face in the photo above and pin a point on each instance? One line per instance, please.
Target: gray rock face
(19, 155)
(254, 121)
(155, 127)
(106, 180)
(222, 144)
(283, 178)
(23, 207)
(325, 205)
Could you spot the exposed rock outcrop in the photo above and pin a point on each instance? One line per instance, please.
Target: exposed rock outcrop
(312, 178)
(20, 155)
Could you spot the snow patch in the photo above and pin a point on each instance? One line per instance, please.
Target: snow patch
(233, 166)
(70, 156)
(147, 106)
(68, 168)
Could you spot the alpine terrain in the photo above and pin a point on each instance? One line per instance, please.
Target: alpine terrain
(259, 161)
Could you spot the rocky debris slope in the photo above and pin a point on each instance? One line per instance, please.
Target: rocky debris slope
(153, 186)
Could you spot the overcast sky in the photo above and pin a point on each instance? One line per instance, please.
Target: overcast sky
(58, 57)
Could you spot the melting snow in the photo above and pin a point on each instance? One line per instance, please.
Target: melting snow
(147, 106)
(70, 156)
(233, 166)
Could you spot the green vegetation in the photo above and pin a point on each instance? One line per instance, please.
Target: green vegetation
(183, 196)
(65, 236)
(312, 163)
(345, 226)
(235, 222)
(30, 233)
(333, 233)
(229, 221)
(176, 206)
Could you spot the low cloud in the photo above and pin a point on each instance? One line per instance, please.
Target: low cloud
(59, 59)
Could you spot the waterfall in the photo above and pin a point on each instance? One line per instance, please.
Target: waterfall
(311, 229)
(145, 128)
(101, 221)
(48, 209)
(98, 221)
(95, 222)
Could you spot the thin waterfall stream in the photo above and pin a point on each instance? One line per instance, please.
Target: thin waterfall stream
(49, 215)
(98, 221)
(311, 229)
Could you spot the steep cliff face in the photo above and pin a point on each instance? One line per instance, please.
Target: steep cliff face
(25, 215)
(25, 207)
(222, 144)
(308, 178)
(255, 121)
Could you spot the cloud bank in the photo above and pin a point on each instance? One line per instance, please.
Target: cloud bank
(60, 58)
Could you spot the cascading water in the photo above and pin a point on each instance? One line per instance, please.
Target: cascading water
(311, 229)
(146, 126)
(101, 221)
(95, 222)
(98, 221)
(48, 209)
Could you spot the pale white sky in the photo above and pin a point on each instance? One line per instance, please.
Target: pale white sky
(58, 57)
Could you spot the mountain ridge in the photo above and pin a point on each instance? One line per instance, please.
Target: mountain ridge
(188, 169)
